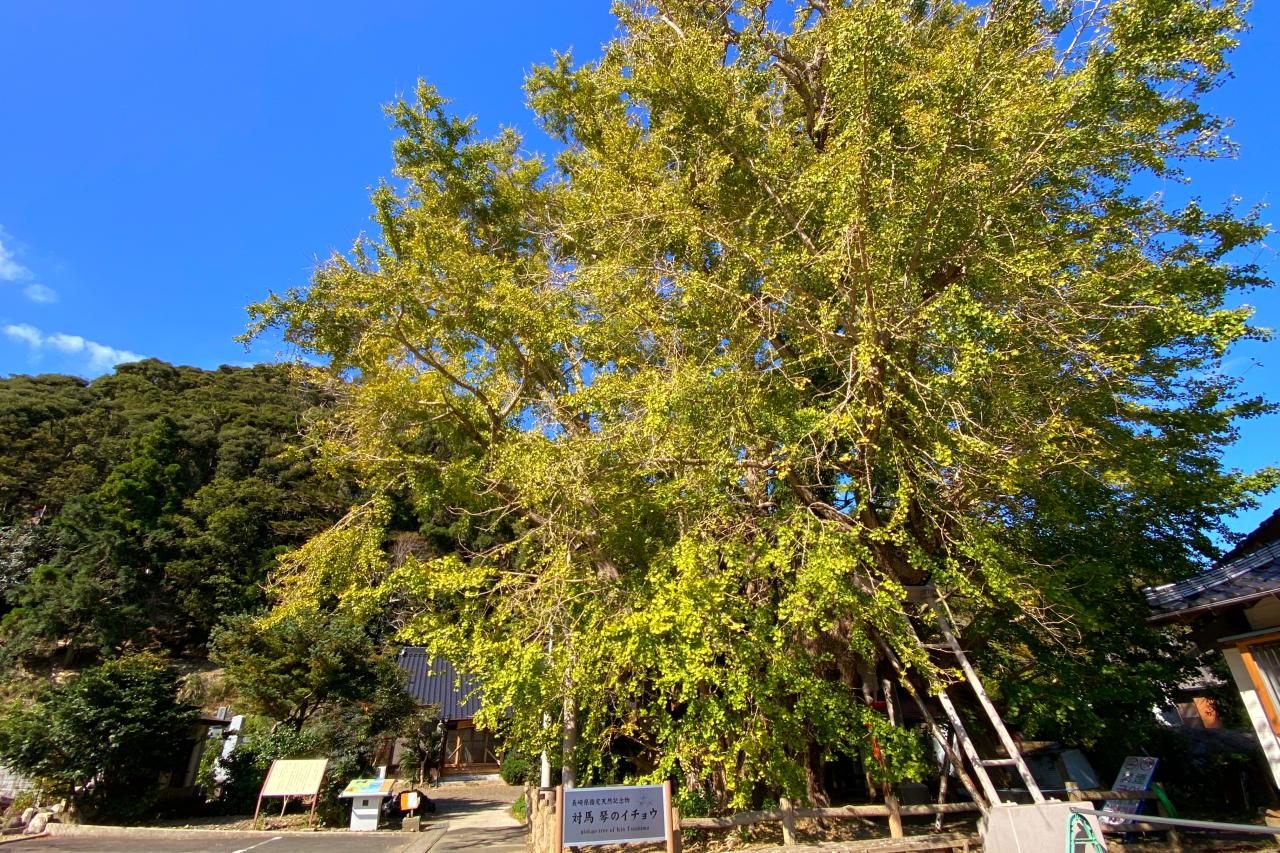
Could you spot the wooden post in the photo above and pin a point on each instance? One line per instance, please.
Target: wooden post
(257, 811)
(942, 782)
(1174, 837)
(668, 817)
(559, 819)
(895, 815)
(788, 821)
(676, 829)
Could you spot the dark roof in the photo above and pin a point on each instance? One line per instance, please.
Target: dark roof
(1267, 531)
(1253, 575)
(432, 680)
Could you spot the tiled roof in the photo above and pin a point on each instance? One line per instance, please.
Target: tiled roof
(1250, 576)
(433, 680)
(1267, 531)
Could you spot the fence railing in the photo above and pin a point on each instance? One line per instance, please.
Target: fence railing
(786, 814)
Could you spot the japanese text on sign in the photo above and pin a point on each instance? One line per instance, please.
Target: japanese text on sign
(618, 815)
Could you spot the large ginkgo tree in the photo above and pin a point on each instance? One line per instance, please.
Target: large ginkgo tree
(818, 301)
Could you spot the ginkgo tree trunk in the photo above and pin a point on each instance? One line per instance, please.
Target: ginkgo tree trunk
(818, 301)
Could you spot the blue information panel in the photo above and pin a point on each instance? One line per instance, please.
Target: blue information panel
(623, 814)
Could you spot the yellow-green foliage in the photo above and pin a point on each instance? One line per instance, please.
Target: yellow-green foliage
(802, 315)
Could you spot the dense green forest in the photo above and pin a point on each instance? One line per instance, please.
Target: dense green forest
(141, 516)
(140, 509)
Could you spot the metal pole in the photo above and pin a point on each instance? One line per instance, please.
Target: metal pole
(1178, 821)
(545, 776)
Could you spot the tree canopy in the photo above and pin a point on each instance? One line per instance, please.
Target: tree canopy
(139, 509)
(813, 306)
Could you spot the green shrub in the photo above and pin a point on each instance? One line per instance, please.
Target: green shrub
(518, 768)
(1211, 773)
(103, 740)
(246, 768)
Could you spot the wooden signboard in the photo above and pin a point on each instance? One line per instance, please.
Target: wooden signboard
(620, 814)
(293, 778)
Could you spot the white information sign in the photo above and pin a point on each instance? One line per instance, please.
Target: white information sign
(1135, 775)
(616, 815)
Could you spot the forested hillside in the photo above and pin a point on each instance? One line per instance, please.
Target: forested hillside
(140, 509)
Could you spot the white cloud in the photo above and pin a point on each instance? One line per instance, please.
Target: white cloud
(10, 270)
(30, 334)
(100, 356)
(40, 293)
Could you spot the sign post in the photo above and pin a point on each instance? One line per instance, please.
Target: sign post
(620, 814)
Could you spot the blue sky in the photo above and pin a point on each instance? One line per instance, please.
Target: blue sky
(162, 165)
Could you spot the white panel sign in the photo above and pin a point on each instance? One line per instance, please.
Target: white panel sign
(615, 815)
(1135, 775)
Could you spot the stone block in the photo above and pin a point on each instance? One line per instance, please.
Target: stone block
(1030, 829)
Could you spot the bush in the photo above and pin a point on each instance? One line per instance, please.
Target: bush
(103, 740)
(1212, 773)
(246, 767)
(518, 768)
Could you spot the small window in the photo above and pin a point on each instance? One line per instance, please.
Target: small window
(1262, 660)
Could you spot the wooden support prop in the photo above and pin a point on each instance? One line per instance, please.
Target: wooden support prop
(672, 844)
(895, 815)
(891, 793)
(788, 821)
(992, 798)
(1015, 754)
(942, 783)
(966, 746)
(677, 827)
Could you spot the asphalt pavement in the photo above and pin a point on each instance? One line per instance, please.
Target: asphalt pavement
(212, 841)
(469, 819)
(477, 819)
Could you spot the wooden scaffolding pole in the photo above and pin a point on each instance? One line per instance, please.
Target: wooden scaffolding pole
(1015, 754)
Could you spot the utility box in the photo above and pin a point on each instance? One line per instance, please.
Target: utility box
(366, 797)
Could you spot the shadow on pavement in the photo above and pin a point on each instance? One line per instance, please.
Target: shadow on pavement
(456, 806)
(482, 838)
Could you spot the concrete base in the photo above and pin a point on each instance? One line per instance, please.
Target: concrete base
(411, 824)
(1030, 829)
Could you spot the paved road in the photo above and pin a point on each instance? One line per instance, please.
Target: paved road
(469, 819)
(221, 842)
(478, 818)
